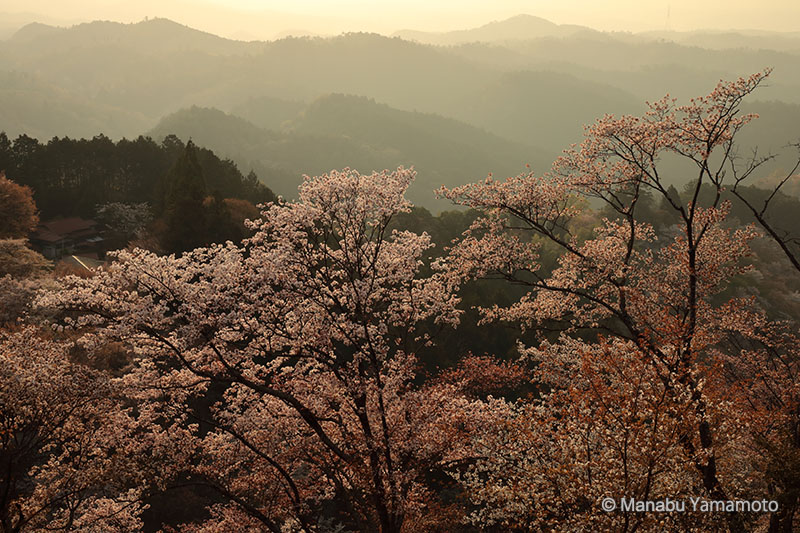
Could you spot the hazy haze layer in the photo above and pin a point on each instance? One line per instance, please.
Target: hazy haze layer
(253, 19)
(487, 96)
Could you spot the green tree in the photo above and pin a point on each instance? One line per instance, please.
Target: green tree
(185, 214)
(6, 153)
(668, 214)
(220, 224)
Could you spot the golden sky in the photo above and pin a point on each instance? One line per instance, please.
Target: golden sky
(265, 18)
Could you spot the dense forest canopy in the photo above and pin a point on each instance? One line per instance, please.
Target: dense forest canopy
(72, 176)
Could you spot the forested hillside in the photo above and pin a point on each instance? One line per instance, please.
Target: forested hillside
(524, 80)
(72, 176)
(336, 131)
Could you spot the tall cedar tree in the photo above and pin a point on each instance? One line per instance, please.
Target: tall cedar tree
(221, 226)
(185, 214)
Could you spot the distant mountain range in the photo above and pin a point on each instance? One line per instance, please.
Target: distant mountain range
(529, 27)
(153, 36)
(336, 131)
(40, 108)
(520, 27)
(493, 98)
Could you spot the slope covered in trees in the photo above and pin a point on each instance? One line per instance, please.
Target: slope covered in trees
(155, 67)
(72, 177)
(656, 384)
(338, 131)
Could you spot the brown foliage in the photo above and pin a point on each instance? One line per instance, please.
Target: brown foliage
(241, 210)
(18, 215)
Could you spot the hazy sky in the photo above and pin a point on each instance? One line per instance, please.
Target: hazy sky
(264, 18)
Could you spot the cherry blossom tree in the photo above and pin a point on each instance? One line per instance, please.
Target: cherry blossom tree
(299, 351)
(124, 221)
(60, 433)
(641, 394)
(22, 273)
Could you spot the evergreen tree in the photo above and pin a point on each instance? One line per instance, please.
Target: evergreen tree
(7, 154)
(667, 214)
(220, 224)
(185, 214)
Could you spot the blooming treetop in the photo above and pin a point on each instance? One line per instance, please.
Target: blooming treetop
(304, 340)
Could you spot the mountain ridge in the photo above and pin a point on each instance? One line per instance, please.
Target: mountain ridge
(444, 151)
(518, 27)
(167, 34)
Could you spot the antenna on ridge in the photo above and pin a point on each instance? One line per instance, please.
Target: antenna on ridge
(668, 26)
